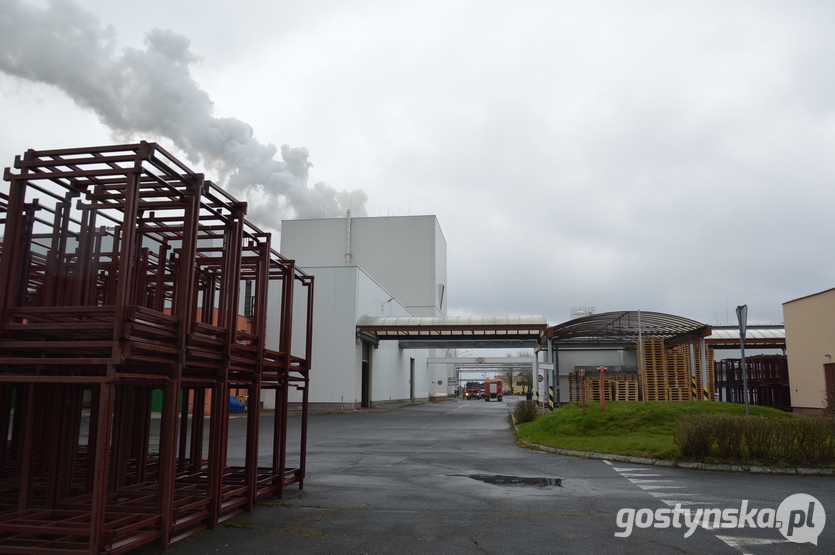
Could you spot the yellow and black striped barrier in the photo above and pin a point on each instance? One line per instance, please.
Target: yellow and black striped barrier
(694, 390)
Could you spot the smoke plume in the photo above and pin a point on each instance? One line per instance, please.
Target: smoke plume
(150, 92)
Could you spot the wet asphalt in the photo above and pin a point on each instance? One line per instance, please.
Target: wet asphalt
(448, 477)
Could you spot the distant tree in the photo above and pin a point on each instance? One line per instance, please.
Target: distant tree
(525, 379)
(511, 371)
(524, 372)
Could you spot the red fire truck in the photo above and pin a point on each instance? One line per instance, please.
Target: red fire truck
(493, 390)
(473, 390)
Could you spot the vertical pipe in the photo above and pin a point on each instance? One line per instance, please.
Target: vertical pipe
(692, 355)
(642, 367)
(705, 376)
(303, 449)
(348, 255)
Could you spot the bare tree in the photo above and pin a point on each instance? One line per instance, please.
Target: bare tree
(510, 371)
(524, 372)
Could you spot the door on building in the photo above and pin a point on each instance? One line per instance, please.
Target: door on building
(829, 383)
(412, 380)
(365, 386)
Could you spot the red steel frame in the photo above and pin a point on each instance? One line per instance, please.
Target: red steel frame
(120, 274)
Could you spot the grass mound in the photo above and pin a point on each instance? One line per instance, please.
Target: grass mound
(637, 429)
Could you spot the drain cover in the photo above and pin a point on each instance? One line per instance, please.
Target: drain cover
(502, 480)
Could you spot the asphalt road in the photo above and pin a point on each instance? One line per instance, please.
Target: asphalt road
(448, 478)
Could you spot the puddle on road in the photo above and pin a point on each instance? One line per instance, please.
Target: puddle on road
(501, 480)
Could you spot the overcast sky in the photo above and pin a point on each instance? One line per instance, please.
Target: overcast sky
(662, 156)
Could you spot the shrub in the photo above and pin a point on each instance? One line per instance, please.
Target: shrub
(729, 434)
(761, 440)
(812, 440)
(525, 411)
(803, 441)
(829, 400)
(694, 435)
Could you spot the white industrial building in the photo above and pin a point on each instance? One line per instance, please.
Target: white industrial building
(386, 266)
(380, 326)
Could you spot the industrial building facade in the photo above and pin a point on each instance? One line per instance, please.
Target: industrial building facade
(810, 344)
(387, 266)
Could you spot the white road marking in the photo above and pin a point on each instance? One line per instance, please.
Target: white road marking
(673, 503)
(738, 542)
(630, 469)
(672, 499)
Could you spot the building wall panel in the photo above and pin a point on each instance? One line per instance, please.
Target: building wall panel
(810, 335)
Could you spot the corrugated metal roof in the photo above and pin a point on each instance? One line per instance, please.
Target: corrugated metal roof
(750, 334)
(764, 336)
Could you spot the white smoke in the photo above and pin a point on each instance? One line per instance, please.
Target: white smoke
(150, 92)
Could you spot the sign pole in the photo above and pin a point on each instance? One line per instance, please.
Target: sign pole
(742, 316)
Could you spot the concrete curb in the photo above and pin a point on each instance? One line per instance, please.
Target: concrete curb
(753, 469)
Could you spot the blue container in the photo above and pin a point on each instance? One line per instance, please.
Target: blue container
(236, 406)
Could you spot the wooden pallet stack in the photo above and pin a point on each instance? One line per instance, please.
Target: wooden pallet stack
(574, 387)
(652, 368)
(619, 387)
(678, 374)
(665, 374)
(593, 389)
(624, 387)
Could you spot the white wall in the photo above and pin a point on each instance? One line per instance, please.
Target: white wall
(342, 294)
(405, 254)
(335, 354)
(390, 365)
(401, 257)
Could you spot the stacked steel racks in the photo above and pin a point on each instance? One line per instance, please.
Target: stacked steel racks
(121, 277)
(768, 381)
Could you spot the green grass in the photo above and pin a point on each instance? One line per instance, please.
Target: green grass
(637, 429)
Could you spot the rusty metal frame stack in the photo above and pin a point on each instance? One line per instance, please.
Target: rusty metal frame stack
(768, 381)
(120, 275)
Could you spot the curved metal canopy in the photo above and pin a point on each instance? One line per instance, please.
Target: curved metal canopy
(629, 326)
